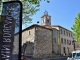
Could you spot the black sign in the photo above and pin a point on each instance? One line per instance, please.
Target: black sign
(11, 25)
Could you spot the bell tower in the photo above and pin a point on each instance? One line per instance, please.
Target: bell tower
(45, 19)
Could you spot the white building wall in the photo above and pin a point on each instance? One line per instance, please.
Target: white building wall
(67, 46)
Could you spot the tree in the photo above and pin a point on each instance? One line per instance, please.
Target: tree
(30, 7)
(76, 28)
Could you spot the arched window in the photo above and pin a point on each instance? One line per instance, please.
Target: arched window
(48, 20)
(29, 32)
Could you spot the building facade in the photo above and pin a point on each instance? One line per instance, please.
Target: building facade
(66, 40)
(65, 36)
(47, 40)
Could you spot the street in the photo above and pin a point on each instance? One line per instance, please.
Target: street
(62, 58)
(59, 59)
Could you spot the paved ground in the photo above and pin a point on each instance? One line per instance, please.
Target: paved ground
(61, 58)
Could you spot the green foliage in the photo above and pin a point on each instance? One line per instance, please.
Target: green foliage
(30, 7)
(76, 28)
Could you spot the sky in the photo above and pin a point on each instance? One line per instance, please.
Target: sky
(62, 12)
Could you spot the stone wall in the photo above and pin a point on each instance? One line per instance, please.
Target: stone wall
(43, 43)
(28, 37)
(56, 47)
(29, 49)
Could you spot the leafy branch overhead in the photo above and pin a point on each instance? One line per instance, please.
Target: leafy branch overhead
(30, 7)
(76, 28)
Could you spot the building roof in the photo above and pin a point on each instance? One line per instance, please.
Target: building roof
(49, 26)
(61, 27)
(46, 27)
(35, 25)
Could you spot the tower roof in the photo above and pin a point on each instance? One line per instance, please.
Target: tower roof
(45, 13)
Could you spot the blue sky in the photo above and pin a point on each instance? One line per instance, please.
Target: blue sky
(62, 12)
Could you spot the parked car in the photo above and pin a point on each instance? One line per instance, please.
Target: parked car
(75, 55)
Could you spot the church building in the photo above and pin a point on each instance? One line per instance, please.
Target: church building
(47, 40)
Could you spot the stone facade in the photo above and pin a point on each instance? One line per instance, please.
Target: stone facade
(28, 37)
(45, 40)
(56, 46)
(30, 48)
(55, 38)
(43, 43)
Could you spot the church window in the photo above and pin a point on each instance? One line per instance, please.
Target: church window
(48, 20)
(29, 33)
(67, 41)
(62, 40)
(67, 34)
(61, 31)
(64, 32)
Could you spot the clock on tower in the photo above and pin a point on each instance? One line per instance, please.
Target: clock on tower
(46, 19)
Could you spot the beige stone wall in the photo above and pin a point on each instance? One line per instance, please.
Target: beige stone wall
(16, 44)
(57, 35)
(28, 35)
(56, 47)
(30, 48)
(43, 43)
